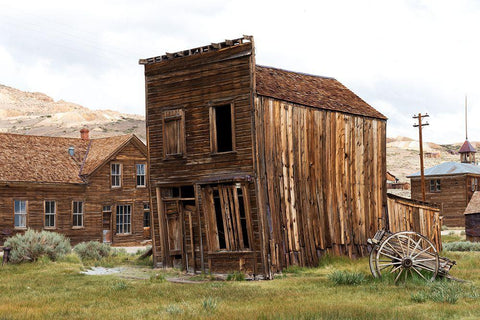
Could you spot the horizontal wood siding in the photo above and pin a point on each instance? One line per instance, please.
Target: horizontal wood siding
(95, 194)
(325, 181)
(410, 215)
(453, 198)
(194, 84)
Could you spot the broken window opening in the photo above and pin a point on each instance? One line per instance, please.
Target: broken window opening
(223, 133)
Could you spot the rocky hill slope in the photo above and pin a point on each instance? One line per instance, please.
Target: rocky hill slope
(38, 114)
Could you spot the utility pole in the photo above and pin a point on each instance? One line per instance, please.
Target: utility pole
(420, 125)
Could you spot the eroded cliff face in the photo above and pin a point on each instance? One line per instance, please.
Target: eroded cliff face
(38, 114)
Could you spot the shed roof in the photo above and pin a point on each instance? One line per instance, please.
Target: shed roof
(467, 147)
(310, 90)
(449, 168)
(474, 204)
(26, 158)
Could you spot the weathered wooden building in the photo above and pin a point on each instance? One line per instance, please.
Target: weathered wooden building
(86, 189)
(472, 218)
(450, 185)
(256, 168)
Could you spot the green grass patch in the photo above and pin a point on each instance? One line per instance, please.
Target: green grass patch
(461, 246)
(57, 290)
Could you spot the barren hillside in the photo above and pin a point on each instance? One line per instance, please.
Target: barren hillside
(37, 114)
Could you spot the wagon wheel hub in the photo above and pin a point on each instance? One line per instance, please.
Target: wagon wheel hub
(407, 263)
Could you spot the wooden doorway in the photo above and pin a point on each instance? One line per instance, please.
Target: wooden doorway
(179, 212)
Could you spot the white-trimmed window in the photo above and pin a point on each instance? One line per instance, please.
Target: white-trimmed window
(435, 185)
(20, 213)
(50, 210)
(116, 174)
(123, 219)
(140, 174)
(77, 210)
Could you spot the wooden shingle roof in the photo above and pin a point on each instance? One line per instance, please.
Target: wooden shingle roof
(309, 90)
(26, 158)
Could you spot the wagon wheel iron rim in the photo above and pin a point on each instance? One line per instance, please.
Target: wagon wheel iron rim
(406, 255)
(372, 261)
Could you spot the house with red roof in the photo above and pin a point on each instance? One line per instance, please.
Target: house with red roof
(254, 168)
(87, 189)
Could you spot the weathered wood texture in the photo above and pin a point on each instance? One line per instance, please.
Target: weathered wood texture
(456, 191)
(472, 227)
(411, 215)
(94, 194)
(299, 181)
(324, 174)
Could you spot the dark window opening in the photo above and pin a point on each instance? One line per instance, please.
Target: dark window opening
(187, 192)
(146, 215)
(223, 126)
(175, 192)
(219, 217)
(243, 218)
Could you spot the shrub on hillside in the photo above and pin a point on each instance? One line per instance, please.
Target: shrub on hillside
(461, 246)
(32, 245)
(92, 250)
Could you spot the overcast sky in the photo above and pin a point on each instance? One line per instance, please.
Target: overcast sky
(402, 57)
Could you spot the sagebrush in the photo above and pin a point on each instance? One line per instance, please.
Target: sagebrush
(461, 246)
(92, 250)
(32, 245)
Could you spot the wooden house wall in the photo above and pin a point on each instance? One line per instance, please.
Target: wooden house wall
(410, 215)
(194, 84)
(97, 193)
(324, 176)
(472, 227)
(454, 196)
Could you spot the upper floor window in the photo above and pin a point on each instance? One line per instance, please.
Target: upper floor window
(77, 213)
(222, 128)
(140, 174)
(20, 212)
(435, 185)
(50, 211)
(173, 133)
(474, 184)
(116, 174)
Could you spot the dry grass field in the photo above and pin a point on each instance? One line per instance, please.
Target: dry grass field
(58, 290)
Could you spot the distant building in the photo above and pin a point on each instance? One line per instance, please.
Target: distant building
(394, 184)
(472, 218)
(451, 185)
(86, 189)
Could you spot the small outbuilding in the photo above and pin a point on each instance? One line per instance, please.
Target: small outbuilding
(472, 218)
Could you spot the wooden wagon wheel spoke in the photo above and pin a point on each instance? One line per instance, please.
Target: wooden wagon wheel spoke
(399, 274)
(419, 273)
(394, 249)
(423, 251)
(390, 256)
(423, 260)
(388, 264)
(401, 246)
(395, 269)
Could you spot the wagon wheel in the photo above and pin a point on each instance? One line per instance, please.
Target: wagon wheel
(407, 254)
(373, 262)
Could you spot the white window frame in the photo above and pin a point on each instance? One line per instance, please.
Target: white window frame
(77, 212)
(21, 213)
(123, 219)
(50, 213)
(141, 175)
(116, 176)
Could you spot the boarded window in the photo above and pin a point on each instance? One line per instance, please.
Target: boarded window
(173, 133)
(20, 213)
(123, 218)
(140, 174)
(50, 214)
(116, 174)
(77, 209)
(222, 129)
(228, 217)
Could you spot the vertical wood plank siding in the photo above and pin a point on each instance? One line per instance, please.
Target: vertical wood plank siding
(410, 215)
(325, 183)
